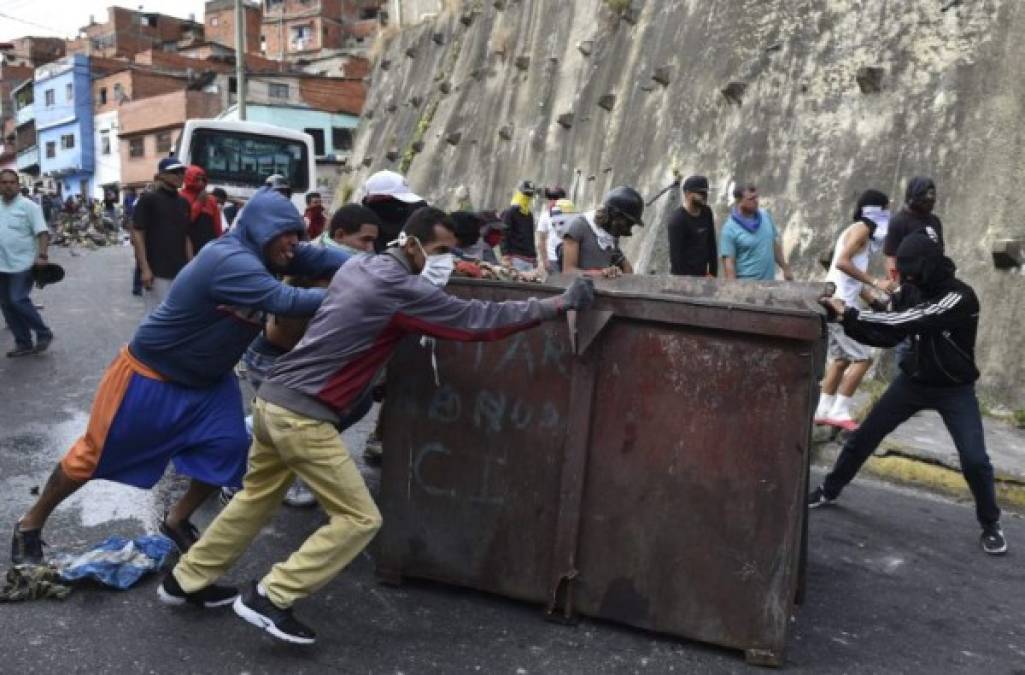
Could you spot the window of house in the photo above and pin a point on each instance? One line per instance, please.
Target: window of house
(215, 20)
(69, 91)
(232, 85)
(67, 141)
(137, 147)
(103, 95)
(318, 141)
(368, 13)
(263, 43)
(105, 142)
(301, 36)
(164, 142)
(341, 138)
(51, 149)
(273, 5)
(50, 97)
(119, 93)
(278, 90)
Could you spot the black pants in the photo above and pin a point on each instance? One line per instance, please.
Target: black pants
(960, 412)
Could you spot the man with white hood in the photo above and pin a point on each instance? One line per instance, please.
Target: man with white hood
(849, 359)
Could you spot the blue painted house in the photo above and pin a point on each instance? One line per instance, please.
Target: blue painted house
(64, 123)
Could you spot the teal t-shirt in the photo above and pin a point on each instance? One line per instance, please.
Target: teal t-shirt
(21, 220)
(752, 252)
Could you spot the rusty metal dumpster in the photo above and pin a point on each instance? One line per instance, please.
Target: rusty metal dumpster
(656, 478)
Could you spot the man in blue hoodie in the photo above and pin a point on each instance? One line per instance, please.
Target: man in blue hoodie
(171, 394)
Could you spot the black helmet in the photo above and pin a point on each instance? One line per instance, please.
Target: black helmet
(627, 202)
(50, 273)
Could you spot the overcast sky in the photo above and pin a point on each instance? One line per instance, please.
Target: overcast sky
(63, 18)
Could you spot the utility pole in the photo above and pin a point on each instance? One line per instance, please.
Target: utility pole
(240, 60)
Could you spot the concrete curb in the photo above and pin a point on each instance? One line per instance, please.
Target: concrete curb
(897, 464)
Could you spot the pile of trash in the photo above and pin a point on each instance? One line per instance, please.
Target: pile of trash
(86, 229)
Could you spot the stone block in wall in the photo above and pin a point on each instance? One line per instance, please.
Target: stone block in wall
(522, 62)
(565, 120)
(870, 79)
(439, 38)
(454, 138)
(585, 47)
(392, 154)
(1007, 253)
(608, 102)
(662, 75)
(505, 133)
(733, 92)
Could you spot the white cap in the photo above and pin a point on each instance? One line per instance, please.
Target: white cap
(391, 184)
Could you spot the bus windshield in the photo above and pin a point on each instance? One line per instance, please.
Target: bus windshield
(244, 159)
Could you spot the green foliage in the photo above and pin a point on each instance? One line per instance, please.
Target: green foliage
(1018, 416)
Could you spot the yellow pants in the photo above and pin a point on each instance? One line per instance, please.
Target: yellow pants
(286, 445)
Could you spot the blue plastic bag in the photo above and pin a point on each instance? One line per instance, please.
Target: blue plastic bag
(118, 562)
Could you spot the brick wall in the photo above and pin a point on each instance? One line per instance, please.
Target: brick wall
(219, 25)
(135, 85)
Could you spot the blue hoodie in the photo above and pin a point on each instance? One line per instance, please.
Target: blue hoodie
(218, 302)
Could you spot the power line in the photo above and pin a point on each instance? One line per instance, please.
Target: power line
(29, 23)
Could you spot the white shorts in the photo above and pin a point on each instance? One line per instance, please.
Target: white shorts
(844, 348)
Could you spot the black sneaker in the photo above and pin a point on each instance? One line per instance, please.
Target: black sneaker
(818, 498)
(21, 350)
(26, 546)
(261, 612)
(170, 593)
(184, 535)
(43, 343)
(993, 541)
(226, 494)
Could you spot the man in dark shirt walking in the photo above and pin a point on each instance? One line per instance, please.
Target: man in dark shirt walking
(692, 248)
(915, 216)
(160, 225)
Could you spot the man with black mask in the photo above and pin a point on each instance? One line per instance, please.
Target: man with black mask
(916, 215)
(387, 194)
(937, 373)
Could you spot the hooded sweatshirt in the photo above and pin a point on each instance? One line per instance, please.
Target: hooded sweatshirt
(941, 316)
(204, 214)
(519, 223)
(908, 221)
(217, 303)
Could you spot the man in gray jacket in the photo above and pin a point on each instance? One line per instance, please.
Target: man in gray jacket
(371, 305)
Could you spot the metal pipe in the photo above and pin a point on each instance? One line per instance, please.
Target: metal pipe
(240, 60)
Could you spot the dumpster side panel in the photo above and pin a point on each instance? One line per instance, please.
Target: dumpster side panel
(470, 486)
(692, 506)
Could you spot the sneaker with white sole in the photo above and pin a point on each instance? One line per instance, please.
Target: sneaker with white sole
(992, 540)
(299, 495)
(261, 612)
(817, 498)
(170, 592)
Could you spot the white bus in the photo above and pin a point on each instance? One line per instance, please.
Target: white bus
(239, 156)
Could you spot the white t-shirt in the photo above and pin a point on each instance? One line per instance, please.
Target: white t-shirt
(848, 288)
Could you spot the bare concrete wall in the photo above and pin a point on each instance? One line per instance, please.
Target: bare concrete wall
(951, 104)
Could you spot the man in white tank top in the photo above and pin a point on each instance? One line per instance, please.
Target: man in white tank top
(849, 359)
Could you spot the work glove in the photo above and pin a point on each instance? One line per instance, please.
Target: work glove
(579, 295)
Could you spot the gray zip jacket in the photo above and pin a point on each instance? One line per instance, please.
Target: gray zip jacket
(371, 304)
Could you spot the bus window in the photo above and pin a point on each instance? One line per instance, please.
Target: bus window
(237, 158)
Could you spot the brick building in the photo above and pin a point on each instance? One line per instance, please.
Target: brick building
(295, 28)
(149, 129)
(32, 51)
(219, 23)
(127, 32)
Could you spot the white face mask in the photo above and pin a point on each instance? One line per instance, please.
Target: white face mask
(879, 216)
(438, 268)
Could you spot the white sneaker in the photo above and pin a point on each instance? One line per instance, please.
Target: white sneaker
(299, 495)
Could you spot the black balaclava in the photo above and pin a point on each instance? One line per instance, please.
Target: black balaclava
(916, 194)
(921, 263)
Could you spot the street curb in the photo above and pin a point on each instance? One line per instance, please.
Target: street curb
(894, 464)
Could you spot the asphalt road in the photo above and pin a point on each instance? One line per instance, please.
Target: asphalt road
(897, 582)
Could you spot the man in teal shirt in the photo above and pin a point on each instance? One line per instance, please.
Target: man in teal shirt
(750, 242)
(23, 241)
